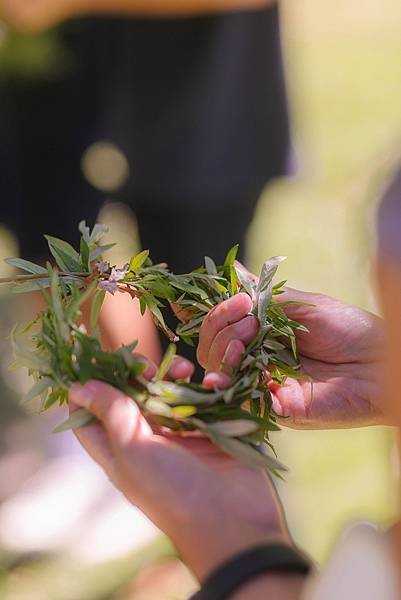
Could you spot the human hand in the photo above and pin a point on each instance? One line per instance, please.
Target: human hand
(341, 354)
(210, 505)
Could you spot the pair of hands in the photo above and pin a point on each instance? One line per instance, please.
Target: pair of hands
(210, 505)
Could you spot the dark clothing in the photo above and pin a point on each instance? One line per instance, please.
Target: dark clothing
(197, 104)
(183, 237)
(45, 126)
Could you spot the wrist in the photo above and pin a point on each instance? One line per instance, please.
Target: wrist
(206, 545)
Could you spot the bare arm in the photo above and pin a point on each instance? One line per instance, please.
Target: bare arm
(170, 7)
(30, 16)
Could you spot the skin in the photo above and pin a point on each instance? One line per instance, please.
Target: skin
(389, 291)
(36, 15)
(189, 474)
(342, 354)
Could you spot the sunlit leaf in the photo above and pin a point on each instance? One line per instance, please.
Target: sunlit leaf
(79, 418)
(26, 265)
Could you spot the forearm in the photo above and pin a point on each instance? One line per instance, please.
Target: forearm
(168, 8)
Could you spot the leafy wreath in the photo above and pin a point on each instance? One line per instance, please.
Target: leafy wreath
(61, 350)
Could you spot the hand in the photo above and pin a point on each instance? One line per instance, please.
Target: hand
(341, 354)
(209, 505)
(30, 16)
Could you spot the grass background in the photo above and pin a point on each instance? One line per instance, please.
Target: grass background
(343, 67)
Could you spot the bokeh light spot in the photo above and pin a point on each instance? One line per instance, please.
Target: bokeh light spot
(105, 166)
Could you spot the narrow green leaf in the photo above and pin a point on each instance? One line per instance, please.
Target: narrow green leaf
(81, 298)
(184, 411)
(166, 362)
(99, 251)
(31, 286)
(79, 418)
(231, 256)
(138, 261)
(96, 307)
(210, 266)
(26, 265)
(41, 386)
(84, 231)
(173, 393)
(233, 281)
(66, 257)
(97, 233)
(84, 248)
(246, 453)
(234, 428)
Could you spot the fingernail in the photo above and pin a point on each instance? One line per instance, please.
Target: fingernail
(216, 381)
(231, 354)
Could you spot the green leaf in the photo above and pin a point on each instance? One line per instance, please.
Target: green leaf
(246, 453)
(210, 266)
(55, 291)
(264, 291)
(231, 256)
(234, 428)
(84, 254)
(247, 280)
(41, 386)
(79, 418)
(184, 411)
(66, 257)
(138, 261)
(233, 281)
(99, 251)
(79, 300)
(84, 231)
(157, 407)
(172, 393)
(96, 307)
(31, 286)
(166, 362)
(97, 233)
(26, 265)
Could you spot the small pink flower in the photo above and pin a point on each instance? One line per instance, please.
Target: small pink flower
(118, 274)
(102, 266)
(109, 286)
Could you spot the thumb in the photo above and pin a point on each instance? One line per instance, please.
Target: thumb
(117, 413)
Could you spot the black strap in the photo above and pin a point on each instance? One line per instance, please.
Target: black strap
(242, 567)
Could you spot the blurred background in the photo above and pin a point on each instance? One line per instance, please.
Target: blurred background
(342, 65)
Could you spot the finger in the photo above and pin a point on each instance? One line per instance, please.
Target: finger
(216, 381)
(94, 440)
(240, 267)
(183, 314)
(231, 360)
(150, 370)
(232, 356)
(230, 311)
(290, 295)
(244, 331)
(181, 368)
(118, 414)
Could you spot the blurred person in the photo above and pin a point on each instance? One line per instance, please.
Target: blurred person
(193, 94)
(223, 516)
(197, 104)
